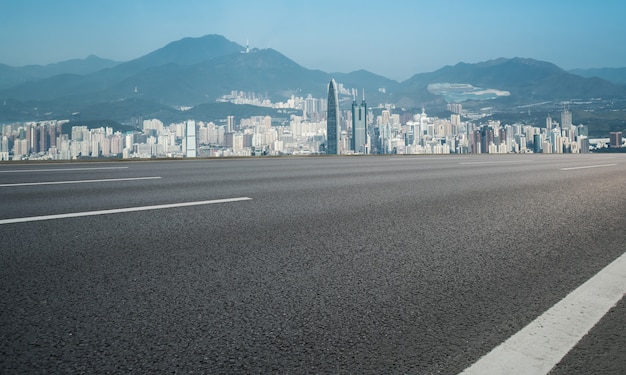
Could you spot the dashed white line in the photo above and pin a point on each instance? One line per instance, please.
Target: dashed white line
(539, 346)
(77, 181)
(424, 158)
(588, 166)
(58, 169)
(120, 210)
(494, 162)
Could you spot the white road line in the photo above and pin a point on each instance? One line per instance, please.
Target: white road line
(588, 166)
(58, 169)
(120, 210)
(418, 157)
(77, 181)
(494, 162)
(539, 346)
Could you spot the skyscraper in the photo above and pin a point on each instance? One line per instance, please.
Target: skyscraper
(359, 127)
(566, 124)
(190, 139)
(333, 127)
(230, 124)
(615, 139)
(537, 143)
(487, 137)
(566, 119)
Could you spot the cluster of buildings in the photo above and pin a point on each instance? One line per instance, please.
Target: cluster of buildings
(360, 133)
(322, 128)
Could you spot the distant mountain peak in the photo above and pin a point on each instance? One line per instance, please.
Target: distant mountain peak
(209, 39)
(189, 51)
(526, 80)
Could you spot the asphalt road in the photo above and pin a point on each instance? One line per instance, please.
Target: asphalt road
(416, 265)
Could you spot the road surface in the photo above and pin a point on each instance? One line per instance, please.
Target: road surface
(386, 264)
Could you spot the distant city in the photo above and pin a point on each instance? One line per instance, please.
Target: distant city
(320, 127)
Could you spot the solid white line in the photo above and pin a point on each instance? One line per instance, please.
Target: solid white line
(77, 181)
(120, 210)
(539, 346)
(588, 166)
(58, 169)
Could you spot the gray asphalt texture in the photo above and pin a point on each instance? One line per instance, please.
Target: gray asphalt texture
(416, 265)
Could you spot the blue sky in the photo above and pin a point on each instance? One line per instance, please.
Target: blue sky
(392, 38)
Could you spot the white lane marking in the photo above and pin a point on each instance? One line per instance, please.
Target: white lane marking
(425, 158)
(77, 181)
(494, 162)
(120, 210)
(588, 166)
(59, 169)
(539, 346)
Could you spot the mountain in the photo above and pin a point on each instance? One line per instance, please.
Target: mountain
(11, 76)
(526, 80)
(186, 51)
(88, 65)
(615, 75)
(91, 88)
(194, 71)
(262, 71)
(265, 72)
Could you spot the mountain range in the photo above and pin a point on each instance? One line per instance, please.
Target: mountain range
(12, 76)
(197, 71)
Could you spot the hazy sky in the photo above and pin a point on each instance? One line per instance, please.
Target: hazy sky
(392, 38)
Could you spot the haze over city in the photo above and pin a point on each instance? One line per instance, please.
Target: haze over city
(396, 39)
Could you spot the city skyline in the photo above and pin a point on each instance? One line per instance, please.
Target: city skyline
(395, 41)
(390, 133)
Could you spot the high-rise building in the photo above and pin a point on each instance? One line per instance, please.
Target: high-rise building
(386, 116)
(476, 144)
(311, 108)
(4, 148)
(42, 138)
(33, 138)
(566, 119)
(548, 124)
(455, 108)
(77, 133)
(556, 141)
(584, 145)
(333, 127)
(537, 143)
(566, 124)
(116, 144)
(615, 139)
(359, 127)
(486, 138)
(230, 124)
(228, 139)
(190, 137)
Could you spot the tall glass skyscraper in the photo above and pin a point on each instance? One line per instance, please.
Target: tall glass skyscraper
(333, 127)
(359, 127)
